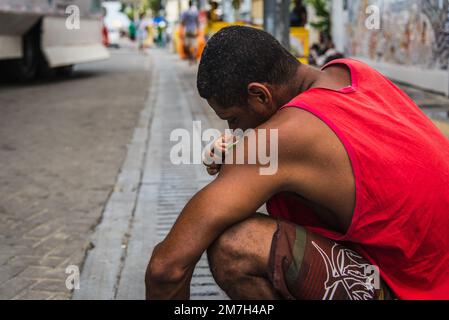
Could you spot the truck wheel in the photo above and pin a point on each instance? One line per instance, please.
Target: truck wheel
(46, 72)
(64, 71)
(25, 69)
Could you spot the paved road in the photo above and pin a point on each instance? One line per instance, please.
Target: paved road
(62, 144)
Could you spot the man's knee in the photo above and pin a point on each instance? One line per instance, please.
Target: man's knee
(221, 255)
(242, 249)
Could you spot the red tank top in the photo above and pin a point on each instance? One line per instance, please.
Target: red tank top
(400, 161)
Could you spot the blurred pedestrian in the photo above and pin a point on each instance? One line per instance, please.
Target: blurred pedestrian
(191, 24)
(323, 53)
(298, 16)
(161, 25)
(141, 31)
(132, 30)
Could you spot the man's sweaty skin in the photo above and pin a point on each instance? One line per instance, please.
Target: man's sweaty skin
(312, 163)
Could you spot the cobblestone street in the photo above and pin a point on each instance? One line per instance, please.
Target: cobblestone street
(62, 143)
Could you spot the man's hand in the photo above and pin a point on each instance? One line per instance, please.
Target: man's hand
(215, 155)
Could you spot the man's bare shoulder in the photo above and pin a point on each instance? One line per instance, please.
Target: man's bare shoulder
(298, 130)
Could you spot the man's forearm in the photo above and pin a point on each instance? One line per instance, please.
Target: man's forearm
(206, 216)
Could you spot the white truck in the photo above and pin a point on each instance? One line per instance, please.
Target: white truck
(41, 37)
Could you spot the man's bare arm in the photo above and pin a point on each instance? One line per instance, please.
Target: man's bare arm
(236, 194)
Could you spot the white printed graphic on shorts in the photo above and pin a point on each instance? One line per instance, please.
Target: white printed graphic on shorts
(346, 269)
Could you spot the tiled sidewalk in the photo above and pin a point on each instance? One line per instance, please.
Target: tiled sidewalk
(150, 191)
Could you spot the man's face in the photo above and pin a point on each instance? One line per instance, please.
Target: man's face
(239, 117)
(259, 108)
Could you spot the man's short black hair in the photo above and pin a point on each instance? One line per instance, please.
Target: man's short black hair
(236, 56)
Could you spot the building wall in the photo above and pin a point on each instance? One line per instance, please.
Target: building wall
(412, 44)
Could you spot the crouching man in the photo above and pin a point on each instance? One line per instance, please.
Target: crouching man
(359, 201)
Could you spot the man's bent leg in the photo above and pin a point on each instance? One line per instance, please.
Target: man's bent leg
(262, 258)
(239, 259)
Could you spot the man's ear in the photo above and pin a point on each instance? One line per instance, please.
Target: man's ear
(258, 94)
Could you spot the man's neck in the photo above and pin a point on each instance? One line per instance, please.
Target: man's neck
(306, 78)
